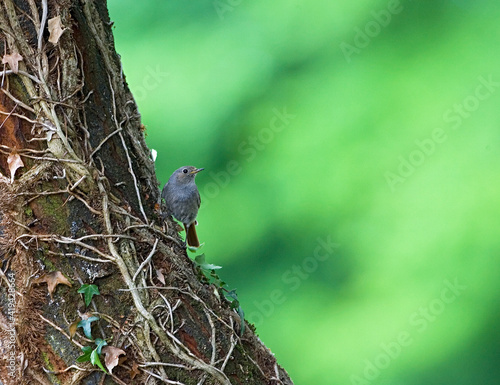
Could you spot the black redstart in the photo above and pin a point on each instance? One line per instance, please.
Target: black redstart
(183, 200)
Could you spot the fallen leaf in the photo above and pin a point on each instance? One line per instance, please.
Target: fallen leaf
(53, 279)
(161, 277)
(72, 328)
(14, 161)
(111, 356)
(13, 61)
(55, 29)
(134, 371)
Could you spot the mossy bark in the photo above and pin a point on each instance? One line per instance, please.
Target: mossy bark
(85, 204)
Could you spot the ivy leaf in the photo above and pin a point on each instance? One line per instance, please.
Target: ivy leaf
(13, 61)
(200, 260)
(100, 343)
(53, 279)
(111, 356)
(241, 313)
(55, 29)
(235, 305)
(14, 161)
(88, 292)
(86, 324)
(72, 329)
(95, 360)
(210, 266)
(135, 370)
(231, 294)
(87, 350)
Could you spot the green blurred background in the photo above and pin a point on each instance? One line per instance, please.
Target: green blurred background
(351, 183)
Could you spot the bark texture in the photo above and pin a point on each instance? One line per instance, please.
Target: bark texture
(79, 205)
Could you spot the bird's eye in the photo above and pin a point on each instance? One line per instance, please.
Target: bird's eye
(185, 171)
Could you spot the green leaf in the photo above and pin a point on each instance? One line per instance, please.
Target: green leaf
(87, 350)
(86, 324)
(200, 259)
(100, 343)
(194, 249)
(231, 294)
(209, 266)
(94, 360)
(241, 313)
(88, 292)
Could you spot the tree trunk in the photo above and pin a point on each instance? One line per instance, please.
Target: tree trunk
(79, 206)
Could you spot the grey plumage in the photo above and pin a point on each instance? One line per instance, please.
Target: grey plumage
(183, 200)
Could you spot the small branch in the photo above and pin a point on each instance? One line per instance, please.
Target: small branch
(147, 364)
(60, 330)
(234, 342)
(42, 25)
(129, 160)
(104, 141)
(146, 261)
(65, 370)
(163, 378)
(75, 255)
(212, 339)
(17, 101)
(20, 72)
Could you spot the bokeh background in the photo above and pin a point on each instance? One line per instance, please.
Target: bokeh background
(352, 172)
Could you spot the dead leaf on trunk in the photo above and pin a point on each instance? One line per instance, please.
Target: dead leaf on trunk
(161, 277)
(53, 279)
(111, 355)
(14, 161)
(134, 371)
(13, 61)
(72, 328)
(55, 29)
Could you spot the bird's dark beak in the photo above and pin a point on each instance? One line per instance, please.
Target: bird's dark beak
(197, 170)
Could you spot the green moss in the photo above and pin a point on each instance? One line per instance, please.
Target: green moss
(45, 357)
(28, 211)
(46, 261)
(49, 366)
(53, 208)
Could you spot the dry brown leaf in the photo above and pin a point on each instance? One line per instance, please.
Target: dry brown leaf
(55, 29)
(13, 61)
(14, 161)
(73, 328)
(161, 277)
(134, 371)
(53, 279)
(111, 356)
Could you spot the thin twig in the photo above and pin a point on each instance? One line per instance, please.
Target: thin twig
(212, 339)
(17, 101)
(61, 331)
(104, 141)
(65, 370)
(75, 255)
(146, 261)
(42, 24)
(170, 312)
(146, 364)
(234, 342)
(8, 116)
(129, 160)
(20, 72)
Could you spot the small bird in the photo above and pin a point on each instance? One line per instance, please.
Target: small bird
(183, 200)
